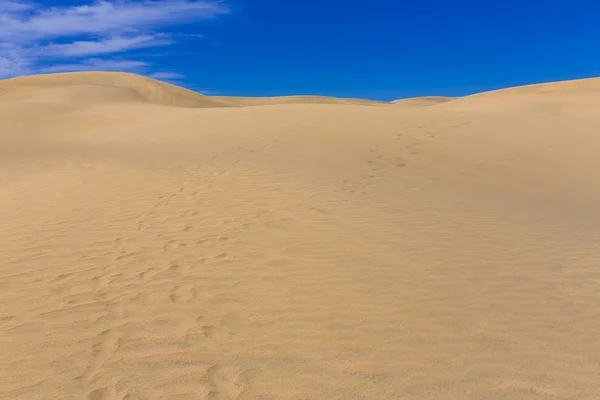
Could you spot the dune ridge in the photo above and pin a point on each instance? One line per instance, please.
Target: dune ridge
(258, 101)
(574, 85)
(576, 98)
(116, 86)
(161, 244)
(128, 86)
(422, 101)
(140, 88)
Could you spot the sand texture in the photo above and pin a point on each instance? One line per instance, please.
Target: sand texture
(160, 244)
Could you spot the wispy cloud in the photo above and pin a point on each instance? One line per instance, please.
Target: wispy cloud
(30, 36)
(104, 46)
(12, 61)
(14, 6)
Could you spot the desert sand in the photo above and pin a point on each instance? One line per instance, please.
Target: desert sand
(422, 101)
(160, 244)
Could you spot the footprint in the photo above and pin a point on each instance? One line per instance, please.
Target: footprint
(181, 293)
(107, 346)
(145, 274)
(170, 246)
(174, 296)
(100, 282)
(174, 267)
(102, 351)
(208, 331)
(105, 393)
(227, 381)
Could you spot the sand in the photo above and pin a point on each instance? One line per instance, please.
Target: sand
(422, 101)
(161, 244)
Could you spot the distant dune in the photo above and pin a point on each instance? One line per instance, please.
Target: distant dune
(105, 86)
(114, 86)
(257, 101)
(156, 243)
(422, 101)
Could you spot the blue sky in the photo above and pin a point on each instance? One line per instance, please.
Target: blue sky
(378, 49)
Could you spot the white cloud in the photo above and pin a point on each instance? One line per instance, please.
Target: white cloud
(107, 17)
(34, 35)
(104, 46)
(12, 61)
(13, 6)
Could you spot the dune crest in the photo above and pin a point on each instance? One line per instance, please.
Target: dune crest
(117, 86)
(579, 98)
(99, 86)
(422, 101)
(260, 101)
(561, 87)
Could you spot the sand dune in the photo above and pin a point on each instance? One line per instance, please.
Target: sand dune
(578, 98)
(160, 244)
(422, 101)
(94, 87)
(263, 101)
(572, 86)
(101, 86)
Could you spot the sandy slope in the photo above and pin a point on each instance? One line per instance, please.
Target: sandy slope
(101, 86)
(296, 251)
(422, 101)
(93, 87)
(264, 101)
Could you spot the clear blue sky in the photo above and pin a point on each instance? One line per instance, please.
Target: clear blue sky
(378, 49)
